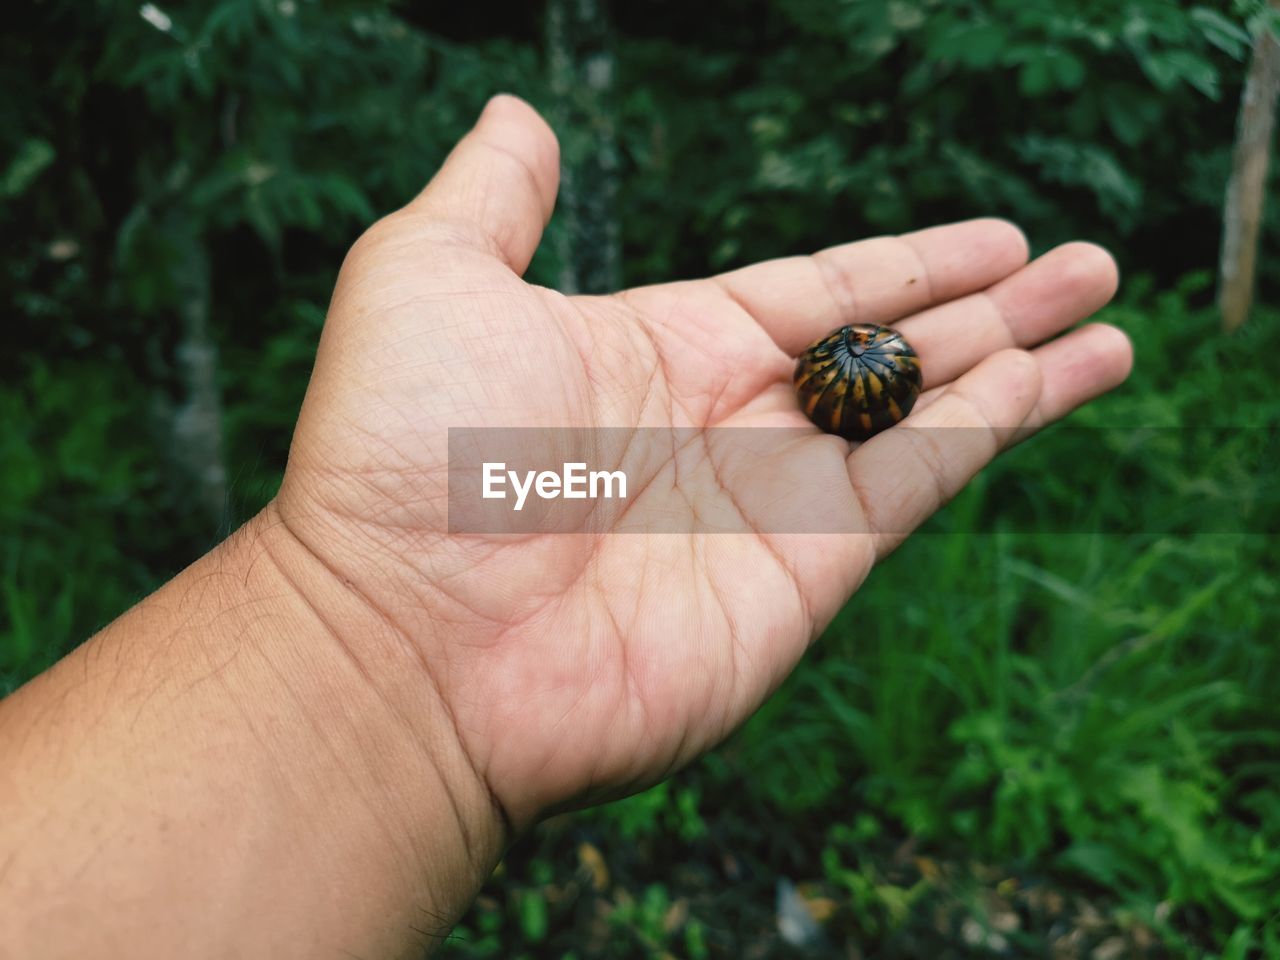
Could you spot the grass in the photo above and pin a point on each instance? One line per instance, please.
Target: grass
(1046, 727)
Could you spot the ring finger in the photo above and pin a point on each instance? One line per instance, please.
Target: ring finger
(1054, 292)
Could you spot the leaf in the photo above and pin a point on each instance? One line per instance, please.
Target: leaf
(1131, 112)
(533, 915)
(1036, 77)
(1238, 947)
(1119, 194)
(347, 197)
(1098, 861)
(1070, 71)
(1159, 71)
(1227, 35)
(976, 45)
(1170, 67)
(1176, 620)
(1196, 71)
(33, 156)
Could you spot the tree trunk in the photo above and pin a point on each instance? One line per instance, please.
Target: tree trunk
(197, 423)
(1246, 191)
(580, 58)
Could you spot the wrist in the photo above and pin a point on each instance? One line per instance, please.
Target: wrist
(388, 739)
(288, 790)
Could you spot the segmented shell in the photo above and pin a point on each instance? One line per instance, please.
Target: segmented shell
(858, 380)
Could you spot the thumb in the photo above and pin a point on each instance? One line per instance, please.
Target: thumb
(499, 183)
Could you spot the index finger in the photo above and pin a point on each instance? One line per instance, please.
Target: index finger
(798, 299)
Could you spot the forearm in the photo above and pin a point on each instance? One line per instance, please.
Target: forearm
(224, 772)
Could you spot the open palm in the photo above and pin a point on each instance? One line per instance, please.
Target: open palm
(579, 666)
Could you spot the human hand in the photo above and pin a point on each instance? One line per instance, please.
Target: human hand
(578, 667)
(318, 737)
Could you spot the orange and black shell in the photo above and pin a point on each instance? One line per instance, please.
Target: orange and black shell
(858, 380)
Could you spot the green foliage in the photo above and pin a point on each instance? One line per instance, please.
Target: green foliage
(859, 118)
(1102, 703)
(31, 158)
(73, 547)
(665, 808)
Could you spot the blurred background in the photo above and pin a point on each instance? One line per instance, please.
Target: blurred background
(1049, 734)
